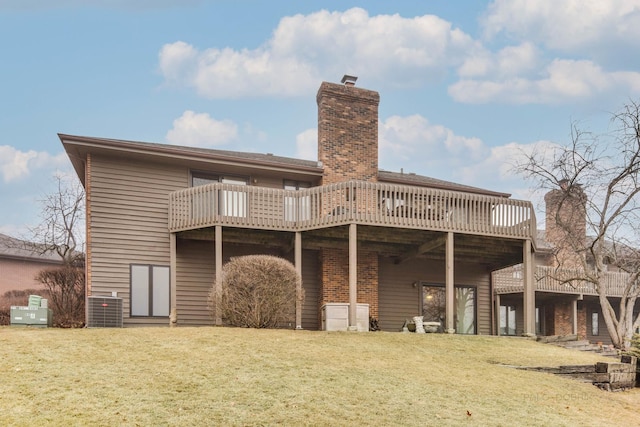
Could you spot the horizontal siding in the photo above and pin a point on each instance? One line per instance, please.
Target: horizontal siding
(129, 222)
(311, 286)
(399, 300)
(603, 333)
(195, 271)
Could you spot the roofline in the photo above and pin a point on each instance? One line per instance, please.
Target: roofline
(221, 157)
(176, 151)
(443, 185)
(31, 258)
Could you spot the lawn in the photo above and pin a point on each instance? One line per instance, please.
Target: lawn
(247, 377)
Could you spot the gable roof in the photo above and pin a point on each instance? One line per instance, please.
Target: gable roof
(77, 148)
(13, 248)
(425, 181)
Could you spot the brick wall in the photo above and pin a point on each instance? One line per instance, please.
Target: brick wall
(334, 280)
(20, 274)
(582, 322)
(563, 322)
(347, 133)
(566, 224)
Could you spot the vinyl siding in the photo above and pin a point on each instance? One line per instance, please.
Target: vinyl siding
(196, 275)
(129, 223)
(311, 286)
(400, 300)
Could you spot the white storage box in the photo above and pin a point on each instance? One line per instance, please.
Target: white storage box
(335, 317)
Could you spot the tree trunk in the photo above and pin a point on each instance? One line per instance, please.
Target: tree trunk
(613, 326)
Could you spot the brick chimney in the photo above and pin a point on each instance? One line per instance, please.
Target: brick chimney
(566, 223)
(347, 131)
(348, 150)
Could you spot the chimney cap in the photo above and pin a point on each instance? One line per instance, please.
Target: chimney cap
(348, 80)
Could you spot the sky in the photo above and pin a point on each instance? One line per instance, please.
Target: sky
(466, 87)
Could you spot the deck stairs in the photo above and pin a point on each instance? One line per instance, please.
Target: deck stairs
(572, 342)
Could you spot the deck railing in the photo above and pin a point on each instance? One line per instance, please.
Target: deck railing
(550, 279)
(347, 202)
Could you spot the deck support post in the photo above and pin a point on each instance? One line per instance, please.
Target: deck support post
(298, 264)
(529, 294)
(574, 316)
(173, 312)
(353, 277)
(497, 315)
(218, 264)
(449, 285)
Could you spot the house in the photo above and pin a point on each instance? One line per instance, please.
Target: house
(561, 308)
(20, 264)
(163, 219)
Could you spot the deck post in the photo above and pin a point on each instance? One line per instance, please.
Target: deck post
(449, 285)
(574, 316)
(529, 294)
(173, 313)
(497, 315)
(298, 265)
(353, 277)
(218, 263)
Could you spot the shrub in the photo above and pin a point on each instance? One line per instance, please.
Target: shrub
(65, 286)
(634, 349)
(258, 291)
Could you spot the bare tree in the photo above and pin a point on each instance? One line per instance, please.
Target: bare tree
(60, 233)
(601, 173)
(61, 221)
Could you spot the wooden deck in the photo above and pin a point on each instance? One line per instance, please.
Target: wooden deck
(350, 202)
(548, 279)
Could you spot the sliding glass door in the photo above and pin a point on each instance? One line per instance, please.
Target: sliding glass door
(434, 307)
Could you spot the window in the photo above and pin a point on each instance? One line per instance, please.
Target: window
(230, 202)
(507, 320)
(296, 208)
(595, 327)
(434, 307)
(150, 290)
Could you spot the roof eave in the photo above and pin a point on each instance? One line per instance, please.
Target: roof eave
(169, 152)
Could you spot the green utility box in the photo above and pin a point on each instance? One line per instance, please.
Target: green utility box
(31, 316)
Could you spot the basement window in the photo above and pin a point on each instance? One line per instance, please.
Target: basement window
(150, 290)
(595, 327)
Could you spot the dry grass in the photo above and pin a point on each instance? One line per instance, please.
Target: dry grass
(226, 376)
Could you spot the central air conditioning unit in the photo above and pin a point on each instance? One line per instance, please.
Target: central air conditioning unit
(104, 312)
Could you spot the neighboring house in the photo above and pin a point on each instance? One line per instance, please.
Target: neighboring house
(561, 308)
(163, 219)
(19, 265)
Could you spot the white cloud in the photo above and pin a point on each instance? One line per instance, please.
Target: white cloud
(16, 164)
(306, 48)
(507, 62)
(564, 81)
(307, 144)
(566, 25)
(201, 130)
(412, 142)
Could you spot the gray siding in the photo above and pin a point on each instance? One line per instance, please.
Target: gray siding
(400, 300)
(603, 333)
(195, 275)
(129, 222)
(311, 286)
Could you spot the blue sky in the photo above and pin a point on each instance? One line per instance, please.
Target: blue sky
(465, 86)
